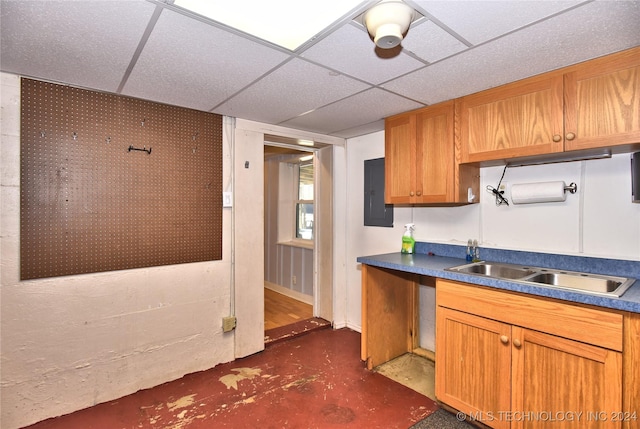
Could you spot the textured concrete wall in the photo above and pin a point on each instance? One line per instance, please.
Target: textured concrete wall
(70, 342)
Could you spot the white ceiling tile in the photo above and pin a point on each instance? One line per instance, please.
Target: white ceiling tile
(295, 88)
(363, 108)
(583, 33)
(361, 130)
(430, 42)
(189, 63)
(479, 21)
(350, 50)
(86, 43)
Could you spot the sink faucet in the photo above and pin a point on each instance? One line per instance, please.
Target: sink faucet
(475, 251)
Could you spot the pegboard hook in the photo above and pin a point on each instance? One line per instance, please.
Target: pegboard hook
(144, 149)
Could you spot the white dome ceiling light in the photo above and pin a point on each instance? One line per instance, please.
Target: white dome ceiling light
(387, 22)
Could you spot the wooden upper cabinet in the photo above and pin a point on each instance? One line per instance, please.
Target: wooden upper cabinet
(419, 156)
(520, 119)
(435, 154)
(432, 154)
(602, 102)
(399, 152)
(592, 105)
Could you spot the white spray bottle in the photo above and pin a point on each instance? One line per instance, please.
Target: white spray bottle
(408, 242)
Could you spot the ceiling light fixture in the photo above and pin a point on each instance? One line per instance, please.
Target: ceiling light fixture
(388, 22)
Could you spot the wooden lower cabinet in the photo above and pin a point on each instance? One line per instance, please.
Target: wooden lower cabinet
(473, 369)
(561, 383)
(509, 376)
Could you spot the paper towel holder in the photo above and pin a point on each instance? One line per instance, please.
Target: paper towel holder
(541, 192)
(571, 187)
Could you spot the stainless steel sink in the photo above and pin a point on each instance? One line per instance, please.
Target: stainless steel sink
(584, 282)
(587, 282)
(503, 271)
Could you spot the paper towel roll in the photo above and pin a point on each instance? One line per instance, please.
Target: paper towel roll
(539, 192)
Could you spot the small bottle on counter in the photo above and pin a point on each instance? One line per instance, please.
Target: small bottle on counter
(408, 242)
(476, 251)
(469, 250)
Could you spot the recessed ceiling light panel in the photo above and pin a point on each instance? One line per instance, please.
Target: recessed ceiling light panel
(286, 23)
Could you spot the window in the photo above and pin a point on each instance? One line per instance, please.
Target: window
(295, 201)
(304, 201)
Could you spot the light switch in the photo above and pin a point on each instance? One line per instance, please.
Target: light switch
(226, 199)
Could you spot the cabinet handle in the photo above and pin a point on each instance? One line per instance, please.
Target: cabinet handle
(517, 343)
(504, 339)
(411, 194)
(571, 136)
(557, 138)
(419, 193)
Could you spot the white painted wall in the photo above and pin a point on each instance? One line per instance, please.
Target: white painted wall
(360, 239)
(599, 220)
(71, 342)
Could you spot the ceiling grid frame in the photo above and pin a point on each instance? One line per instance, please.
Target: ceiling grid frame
(155, 50)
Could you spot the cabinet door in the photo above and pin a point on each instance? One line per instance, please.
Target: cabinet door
(435, 154)
(400, 164)
(602, 100)
(473, 369)
(555, 379)
(519, 119)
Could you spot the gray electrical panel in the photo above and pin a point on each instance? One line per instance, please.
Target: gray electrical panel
(376, 212)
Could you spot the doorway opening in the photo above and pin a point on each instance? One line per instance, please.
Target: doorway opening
(289, 196)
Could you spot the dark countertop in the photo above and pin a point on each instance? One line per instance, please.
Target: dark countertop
(434, 266)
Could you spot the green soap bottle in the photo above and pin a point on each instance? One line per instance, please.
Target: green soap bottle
(408, 242)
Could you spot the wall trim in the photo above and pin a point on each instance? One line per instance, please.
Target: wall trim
(307, 299)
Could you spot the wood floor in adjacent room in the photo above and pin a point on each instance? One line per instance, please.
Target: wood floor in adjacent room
(281, 310)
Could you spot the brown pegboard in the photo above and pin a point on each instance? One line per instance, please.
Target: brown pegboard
(89, 204)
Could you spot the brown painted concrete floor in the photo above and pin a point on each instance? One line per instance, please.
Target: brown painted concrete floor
(316, 380)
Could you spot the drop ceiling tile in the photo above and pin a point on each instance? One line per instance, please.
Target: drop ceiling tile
(479, 21)
(293, 89)
(361, 130)
(350, 50)
(87, 44)
(363, 108)
(431, 43)
(578, 35)
(189, 63)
